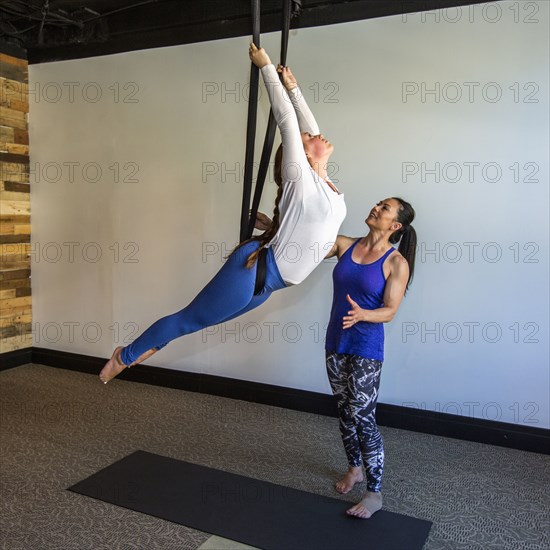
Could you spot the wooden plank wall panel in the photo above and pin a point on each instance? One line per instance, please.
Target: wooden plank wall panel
(15, 211)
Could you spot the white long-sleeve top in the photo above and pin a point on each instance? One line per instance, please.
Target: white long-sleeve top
(310, 211)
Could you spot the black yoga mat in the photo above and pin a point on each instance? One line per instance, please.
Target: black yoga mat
(258, 513)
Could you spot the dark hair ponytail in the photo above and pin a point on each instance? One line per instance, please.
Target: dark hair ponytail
(268, 234)
(406, 236)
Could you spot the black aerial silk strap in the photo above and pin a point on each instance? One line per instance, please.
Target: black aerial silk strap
(251, 125)
(248, 220)
(290, 7)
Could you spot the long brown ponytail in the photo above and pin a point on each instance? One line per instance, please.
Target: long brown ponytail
(406, 236)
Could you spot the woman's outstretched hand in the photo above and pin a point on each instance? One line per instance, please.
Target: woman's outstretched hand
(288, 78)
(263, 222)
(258, 56)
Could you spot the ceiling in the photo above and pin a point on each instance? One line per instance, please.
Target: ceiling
(52, 30)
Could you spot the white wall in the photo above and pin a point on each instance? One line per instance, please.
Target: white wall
(353, 74)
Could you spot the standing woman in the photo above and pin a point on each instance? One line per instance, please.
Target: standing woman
(370, 280)
(309, 209)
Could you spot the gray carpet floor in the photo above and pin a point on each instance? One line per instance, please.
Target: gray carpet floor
(58, 427)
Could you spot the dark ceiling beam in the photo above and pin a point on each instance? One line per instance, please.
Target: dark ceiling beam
(13, 50)
(170, 23)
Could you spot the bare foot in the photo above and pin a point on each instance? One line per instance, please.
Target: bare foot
(113, 367)
(353, 475)
(367, 507)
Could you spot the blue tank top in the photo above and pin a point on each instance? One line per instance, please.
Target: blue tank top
(365, 283)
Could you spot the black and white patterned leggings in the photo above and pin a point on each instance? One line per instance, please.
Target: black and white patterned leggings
(355, 381)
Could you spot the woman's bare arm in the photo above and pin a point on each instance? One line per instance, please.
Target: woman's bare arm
(396, 284)
(341, 244)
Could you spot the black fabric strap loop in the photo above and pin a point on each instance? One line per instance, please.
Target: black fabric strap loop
(262, 171)
(248, 220)
(251, 124)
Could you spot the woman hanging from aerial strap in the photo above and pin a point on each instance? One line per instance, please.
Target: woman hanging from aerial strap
(308, 212)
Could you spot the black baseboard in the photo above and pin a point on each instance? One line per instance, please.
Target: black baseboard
(254, 392)
(11, 359)
(524, 438)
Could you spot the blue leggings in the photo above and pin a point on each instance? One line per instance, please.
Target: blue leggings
(229, 294)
